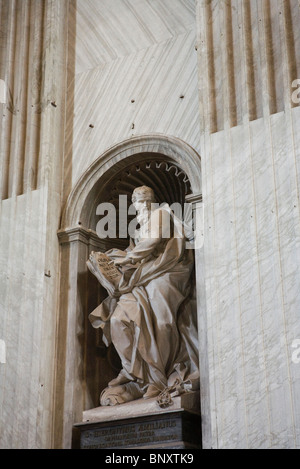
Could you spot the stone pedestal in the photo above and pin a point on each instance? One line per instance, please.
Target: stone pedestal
(143, 425)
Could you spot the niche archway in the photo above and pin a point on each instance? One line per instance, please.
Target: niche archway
(172, 168)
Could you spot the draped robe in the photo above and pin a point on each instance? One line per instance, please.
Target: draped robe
(152, 319)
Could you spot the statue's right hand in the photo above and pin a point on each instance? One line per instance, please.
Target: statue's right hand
(122, 261)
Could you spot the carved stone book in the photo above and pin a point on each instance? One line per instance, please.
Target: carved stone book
(105, 271)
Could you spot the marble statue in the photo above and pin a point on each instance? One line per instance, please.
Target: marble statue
(149, 315)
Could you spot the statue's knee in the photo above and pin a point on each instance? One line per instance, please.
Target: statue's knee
(118, 320)
(117, 315)
(115, 322)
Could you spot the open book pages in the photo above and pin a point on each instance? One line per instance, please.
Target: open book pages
(105, 271)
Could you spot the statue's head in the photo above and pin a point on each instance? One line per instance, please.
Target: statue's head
(143, 194)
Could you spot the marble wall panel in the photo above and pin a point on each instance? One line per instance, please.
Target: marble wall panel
(251, 252)
(248, 57)
(25, 392)
(108, 30)
(33, 64)
(146, 85)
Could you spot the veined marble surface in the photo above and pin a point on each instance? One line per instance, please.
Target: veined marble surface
(133, 70)
(132, 84)
(252, 254)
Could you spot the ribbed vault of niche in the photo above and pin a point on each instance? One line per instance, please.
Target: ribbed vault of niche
(170, 184)
(168, 181)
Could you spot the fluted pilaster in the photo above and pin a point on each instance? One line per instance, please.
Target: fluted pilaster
(249, 58)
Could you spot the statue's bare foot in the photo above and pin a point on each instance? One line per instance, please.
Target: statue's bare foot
(120, 394)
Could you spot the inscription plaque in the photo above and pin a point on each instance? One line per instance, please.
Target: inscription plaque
(180, 429)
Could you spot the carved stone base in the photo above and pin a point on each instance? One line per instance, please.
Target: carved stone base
(143, 425)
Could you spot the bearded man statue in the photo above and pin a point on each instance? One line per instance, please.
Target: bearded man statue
(151, 320)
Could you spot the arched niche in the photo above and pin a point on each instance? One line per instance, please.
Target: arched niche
(84, 366)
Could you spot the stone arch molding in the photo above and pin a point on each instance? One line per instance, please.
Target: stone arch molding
(173, 148)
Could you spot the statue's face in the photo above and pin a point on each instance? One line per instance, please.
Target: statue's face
(140, 205)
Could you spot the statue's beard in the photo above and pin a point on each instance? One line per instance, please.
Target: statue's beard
(143, 216)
